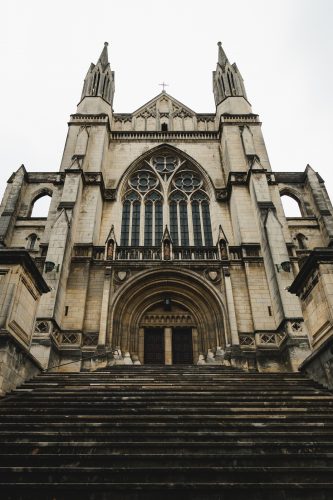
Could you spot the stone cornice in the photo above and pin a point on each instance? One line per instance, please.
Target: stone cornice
(316, 257)
(22, 258)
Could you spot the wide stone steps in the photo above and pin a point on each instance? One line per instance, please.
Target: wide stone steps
(144, 432)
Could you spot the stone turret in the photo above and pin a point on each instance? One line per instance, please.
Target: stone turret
(228, 86)
(99, 81)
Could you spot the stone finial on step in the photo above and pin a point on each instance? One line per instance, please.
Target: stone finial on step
(201, 360)
(210, 357)
(136, 360)
(219, 355)
(118, 356)
(127, 359)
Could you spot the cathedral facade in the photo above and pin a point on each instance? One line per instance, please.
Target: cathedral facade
(165, 243)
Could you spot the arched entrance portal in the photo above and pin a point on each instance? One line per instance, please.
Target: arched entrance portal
(167, 317)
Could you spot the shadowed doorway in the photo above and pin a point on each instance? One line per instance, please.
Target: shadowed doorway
(182, 352)
(154, 346)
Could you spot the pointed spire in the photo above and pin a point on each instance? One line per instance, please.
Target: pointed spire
(222, 58)
(104, 58)
(99, 81)
(227, 80)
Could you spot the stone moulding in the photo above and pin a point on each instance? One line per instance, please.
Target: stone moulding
(316, 257)
(22, 257)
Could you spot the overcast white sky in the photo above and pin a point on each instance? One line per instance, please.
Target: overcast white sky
(283, 49)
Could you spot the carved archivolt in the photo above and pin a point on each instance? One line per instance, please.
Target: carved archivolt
(194, 303)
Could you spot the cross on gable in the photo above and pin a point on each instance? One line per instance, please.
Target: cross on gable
(164, 85)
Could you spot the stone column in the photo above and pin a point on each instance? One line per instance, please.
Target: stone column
(231, 308)
(141, 353)
(105, 307)
(168, 345)
(195, 345)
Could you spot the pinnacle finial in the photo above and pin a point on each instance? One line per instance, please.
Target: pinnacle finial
(222, 58)
(103, 58)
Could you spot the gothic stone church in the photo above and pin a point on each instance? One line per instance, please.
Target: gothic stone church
(165, 243)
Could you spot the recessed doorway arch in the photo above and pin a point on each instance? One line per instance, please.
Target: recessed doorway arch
(167, 298)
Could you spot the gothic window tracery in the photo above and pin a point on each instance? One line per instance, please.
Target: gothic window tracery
(166, 190)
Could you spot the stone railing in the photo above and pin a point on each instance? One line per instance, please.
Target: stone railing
(138, 253)
(177, 253)
(168, 135)
(195, 253)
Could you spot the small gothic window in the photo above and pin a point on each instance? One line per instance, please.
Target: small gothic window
(164, 127)
(31, 241)
(301, 241)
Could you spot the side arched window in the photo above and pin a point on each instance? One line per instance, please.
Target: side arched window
(40, 205)
(291, 206)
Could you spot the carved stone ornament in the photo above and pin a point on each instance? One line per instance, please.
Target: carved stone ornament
(121, 275)
(109, 194)
(213, 275)
(221, 194)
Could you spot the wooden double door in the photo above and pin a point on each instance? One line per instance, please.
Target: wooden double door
(155, 342)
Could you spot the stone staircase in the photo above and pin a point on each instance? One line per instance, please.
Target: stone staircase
(144, 432)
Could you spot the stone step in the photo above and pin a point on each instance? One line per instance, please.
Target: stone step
(217, 459)
(183, 435)
(167, 432)
(169, 491)
(171, 446)
(194, 403)
(97, 417)
(167, 474)
(240, 427)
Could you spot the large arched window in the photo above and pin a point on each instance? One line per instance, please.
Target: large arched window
(166, 190)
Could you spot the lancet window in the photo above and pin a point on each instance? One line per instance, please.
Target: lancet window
(166, 190)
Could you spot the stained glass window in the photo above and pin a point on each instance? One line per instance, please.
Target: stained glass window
(196, 224)
(206, 223)
(165, 164)
(125, 223)
(145, 192)
(149, 223)
(158, 222)
(135, 240)
(174, 222)
(183, 223)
